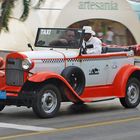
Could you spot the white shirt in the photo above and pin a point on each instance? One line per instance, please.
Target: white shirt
(110, 35)
(97, 45)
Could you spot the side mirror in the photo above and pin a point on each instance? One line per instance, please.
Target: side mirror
(30, 46)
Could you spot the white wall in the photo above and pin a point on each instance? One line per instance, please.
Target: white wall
(21, 33)
(61, 13)
(124, 14)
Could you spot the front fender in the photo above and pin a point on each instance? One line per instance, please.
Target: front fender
(44, 76)
(122, 78)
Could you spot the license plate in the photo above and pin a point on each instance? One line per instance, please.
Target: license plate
(2, 94)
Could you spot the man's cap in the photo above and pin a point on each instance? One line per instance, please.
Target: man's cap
(88, 30)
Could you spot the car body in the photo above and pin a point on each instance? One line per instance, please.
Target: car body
(58, 72)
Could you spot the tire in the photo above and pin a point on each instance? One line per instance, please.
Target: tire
(2, 107)
(78, 103)
(132, 98)
(47, 102)
(75, 77)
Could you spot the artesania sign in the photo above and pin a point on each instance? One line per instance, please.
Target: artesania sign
(98, 5)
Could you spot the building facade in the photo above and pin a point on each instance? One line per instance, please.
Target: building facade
(100, 14)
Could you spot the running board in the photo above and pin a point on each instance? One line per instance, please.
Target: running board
(98, 99)
(103, 100)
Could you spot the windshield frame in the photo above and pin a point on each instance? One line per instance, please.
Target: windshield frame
(63, 47)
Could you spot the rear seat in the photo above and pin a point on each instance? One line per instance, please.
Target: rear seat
(111, 49)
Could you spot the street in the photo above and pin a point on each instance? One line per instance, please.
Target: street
(96, 121)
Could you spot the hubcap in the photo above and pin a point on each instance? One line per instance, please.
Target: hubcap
(73, 81)
(49, 101)
(133, 93)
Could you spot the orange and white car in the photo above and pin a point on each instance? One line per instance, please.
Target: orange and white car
(56, 72)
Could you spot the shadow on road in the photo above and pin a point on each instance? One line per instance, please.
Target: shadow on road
(65, 110)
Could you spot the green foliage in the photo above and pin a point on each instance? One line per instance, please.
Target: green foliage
(26, 4)
(39, 3)
(7, 6)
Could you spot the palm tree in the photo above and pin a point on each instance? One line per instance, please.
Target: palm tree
(6, 11)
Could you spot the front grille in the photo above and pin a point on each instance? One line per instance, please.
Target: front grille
(14, 72)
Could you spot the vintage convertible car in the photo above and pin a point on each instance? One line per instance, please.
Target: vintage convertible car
(56, 71)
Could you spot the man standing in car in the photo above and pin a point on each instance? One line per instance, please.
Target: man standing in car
(91, 44)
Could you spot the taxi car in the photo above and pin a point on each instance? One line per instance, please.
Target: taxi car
(57, 71)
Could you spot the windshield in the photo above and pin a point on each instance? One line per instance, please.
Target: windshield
(58, 38)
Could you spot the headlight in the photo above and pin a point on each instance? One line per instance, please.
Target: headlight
(26, 64)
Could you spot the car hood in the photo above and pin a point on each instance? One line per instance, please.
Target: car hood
(50, 54)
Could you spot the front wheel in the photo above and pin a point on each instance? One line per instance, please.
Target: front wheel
(132, 97)
(48, 102)
(75, 77)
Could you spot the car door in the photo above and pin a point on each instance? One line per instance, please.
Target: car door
(96, 70)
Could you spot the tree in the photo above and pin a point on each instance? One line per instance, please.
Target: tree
(6, 11)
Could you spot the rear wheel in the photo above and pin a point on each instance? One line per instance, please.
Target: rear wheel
(48, 102)
(132, 98)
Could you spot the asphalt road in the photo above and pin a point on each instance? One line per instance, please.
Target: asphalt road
(96, 121)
